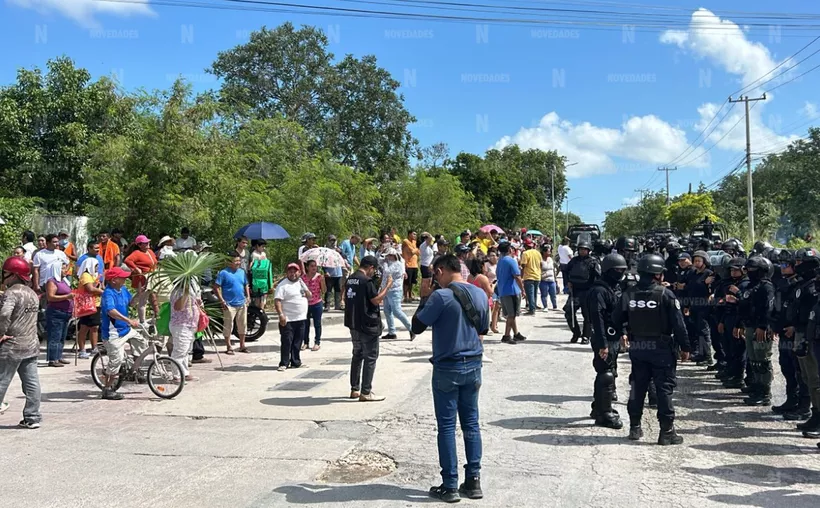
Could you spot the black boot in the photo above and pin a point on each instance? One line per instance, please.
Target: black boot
(733, 382)
(763, 378)
(787, 407)
(812, 423)
(723, 374)
(635, 432)
(801, 412)
(668, 436)
(471, 488)
(606, 416)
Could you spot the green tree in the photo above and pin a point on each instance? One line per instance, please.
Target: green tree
(688, 209)
(49, 125)
(16, 214)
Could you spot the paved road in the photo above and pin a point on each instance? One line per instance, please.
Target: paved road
(249, 436)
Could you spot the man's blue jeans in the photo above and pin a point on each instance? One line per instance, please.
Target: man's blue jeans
(455, 392)
(531, 288)
(547, 287)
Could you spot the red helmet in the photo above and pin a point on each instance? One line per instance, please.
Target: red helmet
(19, 267)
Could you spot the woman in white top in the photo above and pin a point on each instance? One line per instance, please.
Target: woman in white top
(426, 254)
(547, 285)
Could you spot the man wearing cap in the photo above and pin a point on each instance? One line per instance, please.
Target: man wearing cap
(291, 302)
(464, 238)
(363, 319)
(232, 289)
(531, 273)
(68, 248)
(117, 328)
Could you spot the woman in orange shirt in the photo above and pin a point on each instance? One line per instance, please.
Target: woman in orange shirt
(141, 261)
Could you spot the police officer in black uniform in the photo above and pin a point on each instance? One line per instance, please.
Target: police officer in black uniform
(813, 338)
(652, 314)
(728, 298)
(756, 307)
(696, 300)
(673, 250)
(582, 270)
(806, 261)
(600, 302)
(798, 401)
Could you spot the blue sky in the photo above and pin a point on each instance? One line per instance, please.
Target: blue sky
(618, 102)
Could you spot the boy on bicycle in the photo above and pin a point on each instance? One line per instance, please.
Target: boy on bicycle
(117, 328)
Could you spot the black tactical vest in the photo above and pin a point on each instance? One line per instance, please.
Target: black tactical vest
(580, 271)
(647, 317)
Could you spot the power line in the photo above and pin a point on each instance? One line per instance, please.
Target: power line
(750, 85)
(794, 78)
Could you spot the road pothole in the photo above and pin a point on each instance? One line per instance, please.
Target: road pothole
(358, 466)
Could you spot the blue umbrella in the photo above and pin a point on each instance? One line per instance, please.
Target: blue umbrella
(534, 232)
(262, 231)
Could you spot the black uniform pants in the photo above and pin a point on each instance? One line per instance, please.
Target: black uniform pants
(717, 340)
(795, 386)
(655, 361)
(574, 304)
(701, 338)
(736, 348)
(363, 364)
(606, 372)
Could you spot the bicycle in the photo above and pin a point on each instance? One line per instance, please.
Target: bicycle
(164, 374)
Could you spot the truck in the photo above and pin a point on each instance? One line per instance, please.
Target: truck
(578, 232)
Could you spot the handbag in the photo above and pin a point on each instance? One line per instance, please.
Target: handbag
(84, 303)
(204, 320)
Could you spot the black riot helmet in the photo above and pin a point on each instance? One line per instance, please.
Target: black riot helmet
(583, 244)
(759, 267)
(735, 264)
(732, 246)
(785, 256)
(760, 246)
(703, 255)
(673, 248)
(626, 244)
(597, 247)
(608, 244)
(649, 246)
(806, 260)
(651, 264)
(704, 244)
(774, 255)
(613, 262)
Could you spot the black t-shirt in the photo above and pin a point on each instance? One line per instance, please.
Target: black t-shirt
(360, 313)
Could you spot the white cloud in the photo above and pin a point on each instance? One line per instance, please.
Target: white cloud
(644, 140)
(83, 11)
(723, 43)
(809, 110)
(631, 201)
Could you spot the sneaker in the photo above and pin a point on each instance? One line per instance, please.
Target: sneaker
(201, 360)
(584, 340)
(354, 394)
(28, 425)
(445, 494)
(471, 488)
(574, 339)
(55, 364)
(507, 340)
(64, 361)
(84, 356)
(111, 395)
(3, 407)
(371, 397)
(486, 359)
(519, 338)
(390, 336)
(281, 368)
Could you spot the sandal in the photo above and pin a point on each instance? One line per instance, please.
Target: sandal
(229, 352)
(315, 348)
(244, 350)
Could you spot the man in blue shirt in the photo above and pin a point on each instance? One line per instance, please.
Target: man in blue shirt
(510, 287)
(232, 289)
(458, 313)
(117, 328)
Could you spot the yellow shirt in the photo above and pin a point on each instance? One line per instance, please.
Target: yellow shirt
(485, 244)
(87, 278)
(531, 265)
(397, 239)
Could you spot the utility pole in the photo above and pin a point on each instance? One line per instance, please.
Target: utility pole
(641, 192)
(552, 189)
(668, 223)
(750, 197)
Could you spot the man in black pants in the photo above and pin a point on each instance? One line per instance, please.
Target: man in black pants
(363, 318)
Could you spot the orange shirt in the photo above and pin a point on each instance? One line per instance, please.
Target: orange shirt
(145, 261)
(410, 254)
(109, 252)
(70, 251)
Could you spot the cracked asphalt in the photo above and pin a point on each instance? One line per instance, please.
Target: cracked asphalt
(248, 436)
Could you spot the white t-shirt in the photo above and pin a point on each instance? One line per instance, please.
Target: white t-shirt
(564, 254)
(44, 258)
(426, 254)
(292, 294)
(185, 243)
(29, 248)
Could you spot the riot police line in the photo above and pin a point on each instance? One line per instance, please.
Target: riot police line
(710, 303)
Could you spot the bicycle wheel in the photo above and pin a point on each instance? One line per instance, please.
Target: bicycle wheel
(99, 366)
(165, 377)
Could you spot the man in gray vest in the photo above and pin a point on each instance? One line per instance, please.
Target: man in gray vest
(652, 316)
